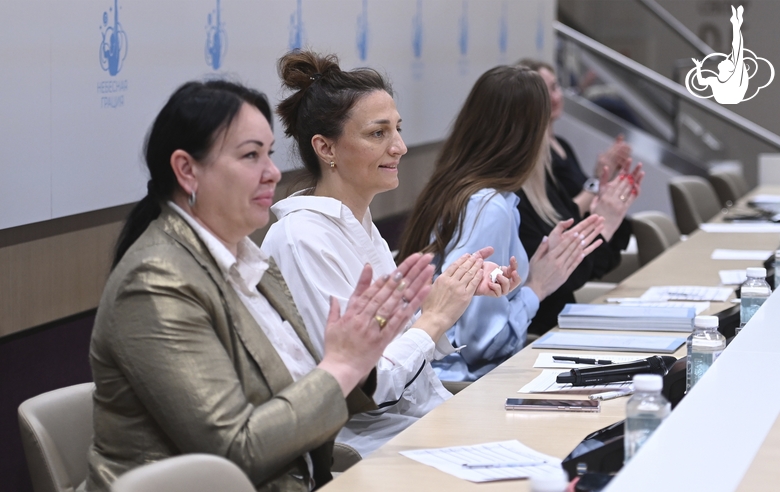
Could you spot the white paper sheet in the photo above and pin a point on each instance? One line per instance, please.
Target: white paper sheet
(545, 360)
(687, 293)
(733, 277)
(770, 199)
(740, 254)
(741, 227)
(451, 460)
(699, 306)
(545, 383)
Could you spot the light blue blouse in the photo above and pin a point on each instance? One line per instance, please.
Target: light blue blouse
(493, 329)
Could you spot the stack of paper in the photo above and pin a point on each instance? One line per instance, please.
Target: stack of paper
(740, 254)
(741, 227)
(504, 460)
(557, 340)
(687, 293)
(605, 317)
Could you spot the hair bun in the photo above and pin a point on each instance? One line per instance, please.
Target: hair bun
(300, 69)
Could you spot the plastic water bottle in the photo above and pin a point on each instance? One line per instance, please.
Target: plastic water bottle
(754, 292)
(704, 346)
(644, 412)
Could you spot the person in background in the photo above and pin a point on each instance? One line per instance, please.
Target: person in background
(197, 346)
(555, 192)
(565, 165)
(347, 133)
(470, 202)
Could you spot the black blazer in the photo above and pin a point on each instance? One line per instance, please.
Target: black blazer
(601, 261)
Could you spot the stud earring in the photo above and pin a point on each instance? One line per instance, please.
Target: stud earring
(332, 164)
(192, 199)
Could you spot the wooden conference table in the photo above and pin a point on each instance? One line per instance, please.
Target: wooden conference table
(476, 415)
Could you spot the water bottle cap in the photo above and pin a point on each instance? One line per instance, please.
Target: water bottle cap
(553, 481)
(756, 272)
(705, 321)
(648, 382)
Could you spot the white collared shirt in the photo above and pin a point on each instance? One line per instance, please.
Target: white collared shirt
(243, 273)
(321, 249)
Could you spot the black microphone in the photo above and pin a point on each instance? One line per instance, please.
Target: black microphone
(657, 364)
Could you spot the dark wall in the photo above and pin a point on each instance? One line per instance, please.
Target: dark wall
(33, 362)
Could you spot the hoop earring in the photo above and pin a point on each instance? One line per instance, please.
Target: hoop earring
(332, 164)
(191, 200)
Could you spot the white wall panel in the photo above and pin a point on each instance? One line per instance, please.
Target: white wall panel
(73, 124)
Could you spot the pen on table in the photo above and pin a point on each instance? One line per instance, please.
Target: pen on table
(610, 395)
(580, 360)
(502, 465)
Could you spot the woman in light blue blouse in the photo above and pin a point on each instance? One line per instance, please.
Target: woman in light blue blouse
(470, 203)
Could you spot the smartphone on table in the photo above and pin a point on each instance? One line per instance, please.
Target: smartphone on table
(553, 405)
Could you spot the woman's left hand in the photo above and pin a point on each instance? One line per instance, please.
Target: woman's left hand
(615, 198)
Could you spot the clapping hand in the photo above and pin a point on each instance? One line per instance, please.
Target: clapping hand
(505, 282)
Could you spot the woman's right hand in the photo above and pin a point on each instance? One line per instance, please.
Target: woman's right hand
(450, 295)
(376, 313)
(552, 264)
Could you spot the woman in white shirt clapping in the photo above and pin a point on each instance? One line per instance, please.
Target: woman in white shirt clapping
(347, 133)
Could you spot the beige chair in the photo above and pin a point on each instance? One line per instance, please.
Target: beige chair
(344, 456)
(729, 186)
(56, 430)
(186, 473)
(694, 202)
(654, 232)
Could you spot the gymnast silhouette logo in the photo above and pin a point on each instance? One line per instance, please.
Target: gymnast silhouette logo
(216, 38)
(463, 40)
(730, 84)
(295, 41)
(113, 48)
(417, 31)
(362, 32)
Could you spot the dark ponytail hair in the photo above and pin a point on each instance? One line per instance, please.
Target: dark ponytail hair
(191, 120)
(321, 102)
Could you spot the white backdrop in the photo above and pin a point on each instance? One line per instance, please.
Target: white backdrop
(81, 80)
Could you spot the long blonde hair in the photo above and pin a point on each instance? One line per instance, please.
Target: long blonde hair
(535, 187)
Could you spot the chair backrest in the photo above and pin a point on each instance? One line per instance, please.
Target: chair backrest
(185, 473)
(56, 430)
(729, 186)
(654, 232)
(694, 202)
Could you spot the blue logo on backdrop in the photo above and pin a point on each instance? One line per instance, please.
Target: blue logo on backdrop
(113, 48)
(502, 31)
(463, 40)
(296, 28)
(362, 32)
(417, 31)
(216, 39)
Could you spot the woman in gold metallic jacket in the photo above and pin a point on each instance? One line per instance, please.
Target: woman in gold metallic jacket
(197, 345)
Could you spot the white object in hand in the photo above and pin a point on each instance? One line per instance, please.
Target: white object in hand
(495, 273)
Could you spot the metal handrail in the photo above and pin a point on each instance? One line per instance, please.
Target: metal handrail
(667, 85)
(677, 26)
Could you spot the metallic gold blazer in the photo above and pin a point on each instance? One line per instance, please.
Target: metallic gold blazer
(181, 366)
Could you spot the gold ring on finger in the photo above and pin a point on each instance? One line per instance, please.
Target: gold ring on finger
(401, 286)
(382, 321)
